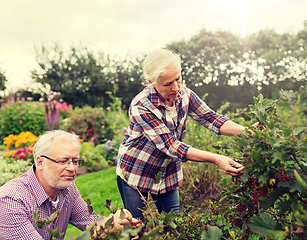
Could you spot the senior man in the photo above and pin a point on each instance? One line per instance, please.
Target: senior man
(48, 187)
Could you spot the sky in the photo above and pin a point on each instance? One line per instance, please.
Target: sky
(121, 27)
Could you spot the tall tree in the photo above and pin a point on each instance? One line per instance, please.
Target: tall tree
(84, 76)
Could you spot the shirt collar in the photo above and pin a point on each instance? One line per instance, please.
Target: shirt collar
(38, 190)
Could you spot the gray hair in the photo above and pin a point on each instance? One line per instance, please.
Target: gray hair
(45, 143)
(157, 62)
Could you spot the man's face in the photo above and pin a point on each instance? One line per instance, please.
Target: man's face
(61, 176)
(168, 85)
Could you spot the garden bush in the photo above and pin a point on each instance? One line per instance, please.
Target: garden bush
(93, 158)
(21, 116)
(270, 197)
(89, 123)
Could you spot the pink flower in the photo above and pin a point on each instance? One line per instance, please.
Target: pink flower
(17, 108)
(22, 156)
(20, 121)
(18, 151)
(22, 112)
(14, 157)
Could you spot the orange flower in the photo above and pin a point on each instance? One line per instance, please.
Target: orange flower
(114, 126)
(102, 126)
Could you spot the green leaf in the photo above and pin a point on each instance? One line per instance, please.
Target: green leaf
(284, 206)
(89, 206)
(271, 200)
(55, 233)
(300, 180)
(265, 225)
(113, 208)
(172, 225)
(214, 233)
(298, 130)
(122, 214)
(263, 178)
(108, 223)
(158, 177)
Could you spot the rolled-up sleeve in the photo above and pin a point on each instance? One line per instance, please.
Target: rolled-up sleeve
(204, 115)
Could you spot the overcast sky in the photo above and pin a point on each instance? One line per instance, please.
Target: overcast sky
(121, 27)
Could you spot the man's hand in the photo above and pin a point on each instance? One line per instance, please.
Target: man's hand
(117, 221)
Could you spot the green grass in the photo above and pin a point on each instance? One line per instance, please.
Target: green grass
(98, 187)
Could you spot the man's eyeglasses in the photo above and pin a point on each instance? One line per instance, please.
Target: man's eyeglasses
(75, 162)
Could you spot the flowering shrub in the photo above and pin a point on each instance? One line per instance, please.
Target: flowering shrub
(54, 109)
(10, 169)
(22, 116)
(18, 140)
(109, 150)
(25, 154)
(270, 197)
(15, 163)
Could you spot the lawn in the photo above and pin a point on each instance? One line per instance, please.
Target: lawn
(98, 187)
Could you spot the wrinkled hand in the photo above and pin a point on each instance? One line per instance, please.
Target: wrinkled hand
(136, 223)
(117, 222)
(229, 166)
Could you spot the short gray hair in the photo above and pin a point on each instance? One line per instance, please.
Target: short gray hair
(157, 62)
(45, 143)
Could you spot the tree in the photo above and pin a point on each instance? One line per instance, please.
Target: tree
(83, 76)
(234, 69)
(3, 80)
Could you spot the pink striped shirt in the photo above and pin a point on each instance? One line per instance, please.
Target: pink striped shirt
(22, 196)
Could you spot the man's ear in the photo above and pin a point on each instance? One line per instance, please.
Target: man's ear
(39, 162)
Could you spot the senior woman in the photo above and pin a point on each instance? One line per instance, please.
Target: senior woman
(153, 150)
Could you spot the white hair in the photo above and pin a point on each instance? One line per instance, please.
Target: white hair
(157, 62)
(45, 143)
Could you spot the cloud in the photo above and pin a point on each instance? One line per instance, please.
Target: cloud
(128, 26)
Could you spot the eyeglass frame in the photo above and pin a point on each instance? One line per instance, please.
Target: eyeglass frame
(65, 162)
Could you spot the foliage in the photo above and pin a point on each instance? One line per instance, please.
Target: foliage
(12, 167)
(91, 124)
(110, 151)
(200, 179)
(93, 158)
(3, 80)
(233, 69)
(270, 197)
(55, 109)
(84, 76)
(46, 223)
(98, 187)
(22, 116)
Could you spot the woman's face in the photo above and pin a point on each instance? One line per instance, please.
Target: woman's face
(168, 85)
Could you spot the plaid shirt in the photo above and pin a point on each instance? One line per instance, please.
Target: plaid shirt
(153, 145)
(22, 196)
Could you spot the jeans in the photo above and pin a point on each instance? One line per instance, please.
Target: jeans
(133, 203)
